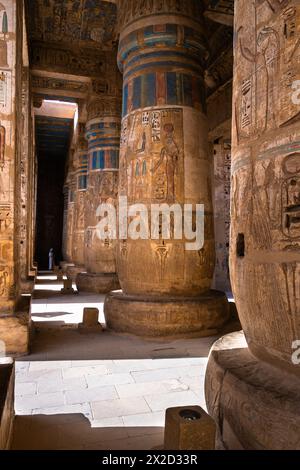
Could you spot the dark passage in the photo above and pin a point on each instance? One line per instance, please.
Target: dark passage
(52, 139)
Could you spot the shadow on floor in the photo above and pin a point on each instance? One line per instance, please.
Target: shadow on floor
(57, 344)
(74, 432)
(51, 314)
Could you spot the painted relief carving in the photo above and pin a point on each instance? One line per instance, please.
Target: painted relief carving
(3, 36)
(83, 23)
(5, 217)
(265, 59)
(273, 59)
(152, 155)
(291, 196)
(2, 146)
(59, 84)
(169, 156)
(134, 9)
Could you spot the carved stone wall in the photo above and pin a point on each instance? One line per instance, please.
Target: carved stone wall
(8, 29)
(221, 190)
(14, 317)
(253, 386)
(265, 250)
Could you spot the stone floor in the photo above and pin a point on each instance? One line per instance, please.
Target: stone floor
(99, 391)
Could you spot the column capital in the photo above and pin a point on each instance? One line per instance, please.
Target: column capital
(104, 107)
(133, 10)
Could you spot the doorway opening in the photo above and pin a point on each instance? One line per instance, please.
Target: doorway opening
(55, 121)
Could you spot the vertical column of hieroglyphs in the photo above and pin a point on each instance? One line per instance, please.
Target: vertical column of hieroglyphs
(265, 248)
(71, 186)
(81, 166)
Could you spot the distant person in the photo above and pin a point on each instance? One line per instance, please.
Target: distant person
(51, 259)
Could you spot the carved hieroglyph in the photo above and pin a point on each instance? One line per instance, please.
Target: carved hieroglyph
(265, 246)
(81, 170)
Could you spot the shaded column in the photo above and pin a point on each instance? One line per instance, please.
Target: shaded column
(81, 165)
(14, 313)
(68, 232)
(253, 385)
(164, 159)
(103, 135)
(24, 190)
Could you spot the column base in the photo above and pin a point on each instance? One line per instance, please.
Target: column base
(255, 405)
(85, 330)
(164, 317)
(72, 271)
(7, 413)
(27, 285)
(97, 283)
(65, 264)
(15, 330)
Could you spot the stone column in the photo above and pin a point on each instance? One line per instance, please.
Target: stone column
(14, 317)
(81, 165)
(164, 159)
(65, 226)
(71, 185)
(103, 135)
(23, 190)
(253, 387)
(32, 190)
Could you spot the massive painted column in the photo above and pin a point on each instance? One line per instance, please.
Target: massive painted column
(103, 135)
(253, 387)
(164, 159)
(14, 316)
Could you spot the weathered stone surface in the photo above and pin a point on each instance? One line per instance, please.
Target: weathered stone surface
(15, 330)
(97, 283)
(73, 271)
(265, 249)
(254, 391)
(189, 428)
(90, 323)
(68, 287)
(201, 316)
(255, 405)
(7, 414)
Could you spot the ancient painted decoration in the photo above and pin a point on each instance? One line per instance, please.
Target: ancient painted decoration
(271, 65)
(103, 136)
(265, 168)
(162, 66)
(152, 156)
(82, 23)
(59, 59)
(2, 146)
(59, 84)
(3, 36)
(222, 190)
